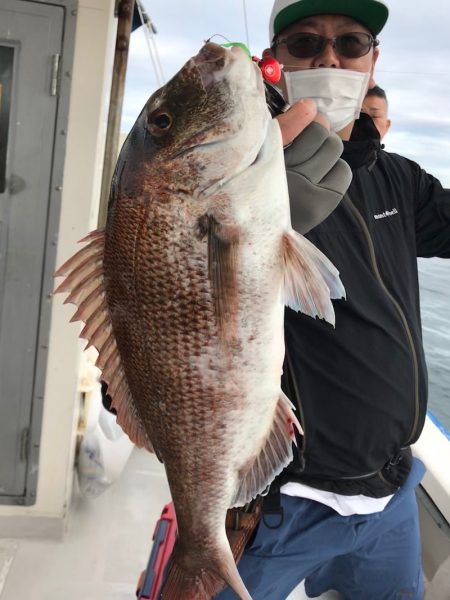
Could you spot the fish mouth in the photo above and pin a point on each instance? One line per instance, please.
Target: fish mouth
(213, 60)
(212, 54)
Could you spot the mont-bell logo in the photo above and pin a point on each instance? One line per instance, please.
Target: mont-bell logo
(386, 213)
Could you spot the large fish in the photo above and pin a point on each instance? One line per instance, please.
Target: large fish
(183, 296)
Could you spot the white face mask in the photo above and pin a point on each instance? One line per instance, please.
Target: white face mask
(338, 93)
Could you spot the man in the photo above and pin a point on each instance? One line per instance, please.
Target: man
(346, 518)
(376, 106)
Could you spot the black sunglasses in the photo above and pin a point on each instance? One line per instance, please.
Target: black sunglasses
(347, 45)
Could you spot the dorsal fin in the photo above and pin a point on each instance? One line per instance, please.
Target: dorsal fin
(84, 280)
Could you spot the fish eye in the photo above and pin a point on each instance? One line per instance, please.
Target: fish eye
(159, 123)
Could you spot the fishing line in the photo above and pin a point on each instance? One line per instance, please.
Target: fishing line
(218, 35)
(244, 6)
(421, 73)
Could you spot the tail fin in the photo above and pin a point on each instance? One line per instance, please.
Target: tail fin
(204, 580)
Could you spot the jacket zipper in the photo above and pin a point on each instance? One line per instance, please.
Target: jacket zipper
(295, 391)
(376, 270)
(293, 381)
(386, 482)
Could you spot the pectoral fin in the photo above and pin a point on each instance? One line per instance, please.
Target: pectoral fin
(223, 244)
(310, 278)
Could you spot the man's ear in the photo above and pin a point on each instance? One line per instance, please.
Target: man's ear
(388, 125)
(372, 82)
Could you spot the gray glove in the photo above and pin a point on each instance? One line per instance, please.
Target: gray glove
(317, 177)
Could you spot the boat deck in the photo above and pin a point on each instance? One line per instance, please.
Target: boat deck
(106, 547)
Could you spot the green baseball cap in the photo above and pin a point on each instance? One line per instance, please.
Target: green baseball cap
(372, 14)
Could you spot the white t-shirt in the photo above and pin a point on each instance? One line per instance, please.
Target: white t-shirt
(344, 505)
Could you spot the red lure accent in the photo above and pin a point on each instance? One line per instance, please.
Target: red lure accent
(270, 69)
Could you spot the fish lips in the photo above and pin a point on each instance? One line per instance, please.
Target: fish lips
(213, 62)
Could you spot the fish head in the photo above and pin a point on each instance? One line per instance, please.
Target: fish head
(203, 127)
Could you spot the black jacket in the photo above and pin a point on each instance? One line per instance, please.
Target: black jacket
(361, 388)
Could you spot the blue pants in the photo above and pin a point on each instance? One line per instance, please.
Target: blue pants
(364, 557)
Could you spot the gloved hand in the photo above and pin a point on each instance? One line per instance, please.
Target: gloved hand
(317, 177)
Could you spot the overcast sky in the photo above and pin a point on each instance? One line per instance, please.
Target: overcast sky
(414, 65)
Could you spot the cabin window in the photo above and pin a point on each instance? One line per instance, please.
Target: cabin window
(6, 73)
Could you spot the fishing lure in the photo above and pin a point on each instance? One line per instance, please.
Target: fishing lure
(271, 72)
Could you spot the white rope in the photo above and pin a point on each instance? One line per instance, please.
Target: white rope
(151, 44)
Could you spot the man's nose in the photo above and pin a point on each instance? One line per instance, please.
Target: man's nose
(328, 57)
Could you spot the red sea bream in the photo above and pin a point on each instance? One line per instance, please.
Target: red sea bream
(183, 295)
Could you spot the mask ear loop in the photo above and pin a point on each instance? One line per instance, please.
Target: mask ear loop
(300, 68)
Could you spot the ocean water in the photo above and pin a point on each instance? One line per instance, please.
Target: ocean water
(434, 278)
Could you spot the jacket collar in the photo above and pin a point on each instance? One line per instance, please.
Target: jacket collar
(364, 145)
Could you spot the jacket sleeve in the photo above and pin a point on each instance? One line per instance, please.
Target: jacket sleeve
(317, 177)
(432, 216)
